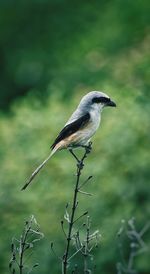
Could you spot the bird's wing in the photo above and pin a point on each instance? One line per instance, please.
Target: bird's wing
(71, 128)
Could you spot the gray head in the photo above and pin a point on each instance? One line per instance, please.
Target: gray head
(96, 100)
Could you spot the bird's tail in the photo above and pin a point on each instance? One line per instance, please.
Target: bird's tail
(39, 168)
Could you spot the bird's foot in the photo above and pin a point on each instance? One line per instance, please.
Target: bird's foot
(88, 147)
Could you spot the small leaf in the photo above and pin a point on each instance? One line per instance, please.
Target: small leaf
(66, 217)
(10, 265)
(67, 205)
(36, 265)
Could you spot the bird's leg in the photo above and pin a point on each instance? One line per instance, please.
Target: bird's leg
(88, 147)
(87, 150)
(71, 151)
(79, 162)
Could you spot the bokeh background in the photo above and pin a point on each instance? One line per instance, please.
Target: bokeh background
(52, 52)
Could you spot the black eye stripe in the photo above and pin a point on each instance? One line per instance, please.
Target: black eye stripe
(100, 100)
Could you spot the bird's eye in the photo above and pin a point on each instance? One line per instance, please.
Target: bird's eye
(101, 99)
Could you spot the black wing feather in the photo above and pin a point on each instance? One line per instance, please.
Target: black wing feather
(71, 128)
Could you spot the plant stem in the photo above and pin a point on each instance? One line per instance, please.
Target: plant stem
(22, 248)
(80, 165)
(86, 246)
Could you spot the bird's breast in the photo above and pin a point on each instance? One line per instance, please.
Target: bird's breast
(95, 119)
(89, 130)
(83, 135)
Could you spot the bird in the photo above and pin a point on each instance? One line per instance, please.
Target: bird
(80, 127)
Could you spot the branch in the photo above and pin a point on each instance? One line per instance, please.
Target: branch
(19, 247)
(136, 246)
(71, 220)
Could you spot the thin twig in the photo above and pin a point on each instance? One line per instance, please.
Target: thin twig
(86, 246)
(85, 193)
(136, 246)
(86, 181)
(19, 247)
(85, 213)
(52, 248)
(22, 248)
(80, 165)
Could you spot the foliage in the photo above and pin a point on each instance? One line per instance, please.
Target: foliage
(23, 245)
(136, 245)
(63, 47)
(60, 50)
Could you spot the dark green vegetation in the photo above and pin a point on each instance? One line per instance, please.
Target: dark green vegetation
(53, 52)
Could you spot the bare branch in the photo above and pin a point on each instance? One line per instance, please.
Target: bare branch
(19, 247)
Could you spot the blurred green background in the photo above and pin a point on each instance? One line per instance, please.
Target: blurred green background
(52, 52)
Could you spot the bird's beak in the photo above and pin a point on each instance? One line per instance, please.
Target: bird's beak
(111, 104)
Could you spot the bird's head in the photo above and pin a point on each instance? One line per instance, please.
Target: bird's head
(96, 100)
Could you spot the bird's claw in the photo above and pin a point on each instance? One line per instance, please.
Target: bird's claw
(88, 148)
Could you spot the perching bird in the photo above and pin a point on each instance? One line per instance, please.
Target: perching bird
(80, 127)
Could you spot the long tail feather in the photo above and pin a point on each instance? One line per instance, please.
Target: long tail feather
(38, 169)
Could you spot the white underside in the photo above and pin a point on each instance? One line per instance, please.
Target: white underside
(84, 135)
